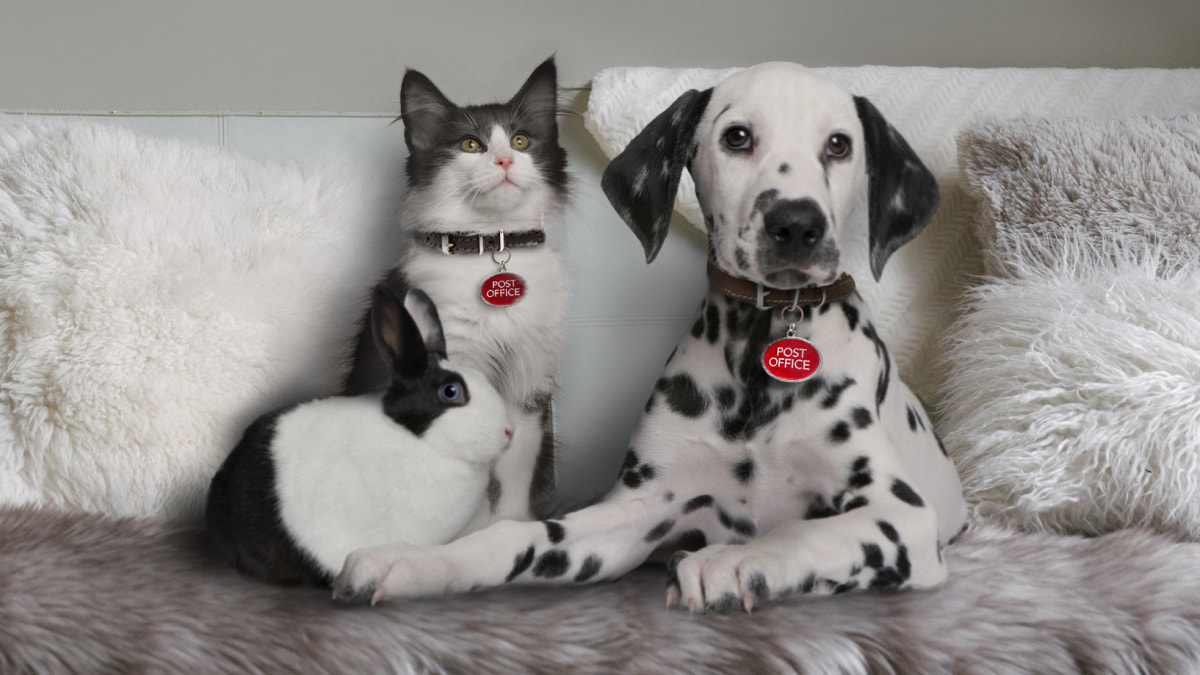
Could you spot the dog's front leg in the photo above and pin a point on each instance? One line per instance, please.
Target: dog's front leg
(602, 541)
(883, 538)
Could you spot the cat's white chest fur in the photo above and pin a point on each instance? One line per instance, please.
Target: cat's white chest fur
(517, 347)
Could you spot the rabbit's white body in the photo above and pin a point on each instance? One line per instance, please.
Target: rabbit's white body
(348, 476)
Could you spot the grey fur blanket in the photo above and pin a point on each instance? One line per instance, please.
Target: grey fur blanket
(83, 593)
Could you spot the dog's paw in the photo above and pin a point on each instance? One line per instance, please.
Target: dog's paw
(394, 571)
(723, 578)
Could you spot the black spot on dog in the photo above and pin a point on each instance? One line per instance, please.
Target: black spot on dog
(819, 508)
(726, 603)
(856, 503)
(763, 202)
(659, 531)
(745, 527)
(906, 494)
(555, 532)
(784, 168)
(669, 497)
(903, 566)
(872, 556)
(633, 474)
(682, 395)
(743, 471)
(698, 326)
(725, 519)
(726, 396)
(731, 318)
(788, 402)
(650, 403)
(888, 531)
(809, 583)
(712, 319)
(741, 258)
(840, 433)
(672, 565)
(912, 419)
(591, 566)
(551, 564)
(811, 387)
(630, 461)
(835, 392)
(886, 373)
(520, 564)
(758, 587)
(861, 417)
(851, 313)
(845, 587)
(697, 503)
(887, 578)
(861, 476)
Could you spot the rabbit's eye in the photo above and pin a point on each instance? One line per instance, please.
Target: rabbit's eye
(451, 392)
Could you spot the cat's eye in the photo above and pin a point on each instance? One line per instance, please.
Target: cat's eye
(452, 392)
(520, 142)
(737, 138)
(469, 144)
(838, 146)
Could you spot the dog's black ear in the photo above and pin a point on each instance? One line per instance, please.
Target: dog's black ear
(902, 193)
(642, 181)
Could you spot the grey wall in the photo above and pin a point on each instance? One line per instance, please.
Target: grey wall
(349, 56)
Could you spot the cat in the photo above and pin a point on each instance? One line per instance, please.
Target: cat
(479, 170)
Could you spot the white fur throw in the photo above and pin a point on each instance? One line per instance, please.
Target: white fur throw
(1073, 402)
(923, 283)
(156, 296)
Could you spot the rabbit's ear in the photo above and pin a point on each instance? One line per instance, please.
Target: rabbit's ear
(425, 314)
(396, 335)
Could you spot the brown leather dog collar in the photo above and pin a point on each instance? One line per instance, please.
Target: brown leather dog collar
(764, 297)
(452, 243)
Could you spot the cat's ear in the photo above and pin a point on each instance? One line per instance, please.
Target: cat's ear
(423, 107)
(537, 99)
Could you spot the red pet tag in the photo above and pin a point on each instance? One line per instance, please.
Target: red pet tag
(502, 289)
(791, 359)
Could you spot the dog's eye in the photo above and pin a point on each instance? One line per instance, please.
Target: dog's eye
(520, 142)
(469, 144)
(838, 146)
(451, 392)
(737, 138)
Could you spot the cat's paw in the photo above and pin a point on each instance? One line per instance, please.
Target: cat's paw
(394, 571)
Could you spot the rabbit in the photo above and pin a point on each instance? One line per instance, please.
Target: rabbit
(310, 483)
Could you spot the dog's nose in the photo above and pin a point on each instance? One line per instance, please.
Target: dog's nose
(798, 223)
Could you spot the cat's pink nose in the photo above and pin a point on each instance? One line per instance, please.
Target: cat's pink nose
(504, 162)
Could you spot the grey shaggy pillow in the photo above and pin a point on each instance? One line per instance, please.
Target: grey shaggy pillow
(1072, 401)
(1121, 183)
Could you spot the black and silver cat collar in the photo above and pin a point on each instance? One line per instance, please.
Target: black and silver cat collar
(763, 297)
(452, 243)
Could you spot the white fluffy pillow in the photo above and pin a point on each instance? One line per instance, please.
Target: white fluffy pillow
(1074, 400)
(1073, 396)
(156, 296)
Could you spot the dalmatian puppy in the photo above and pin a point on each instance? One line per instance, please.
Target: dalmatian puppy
(823, 486)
